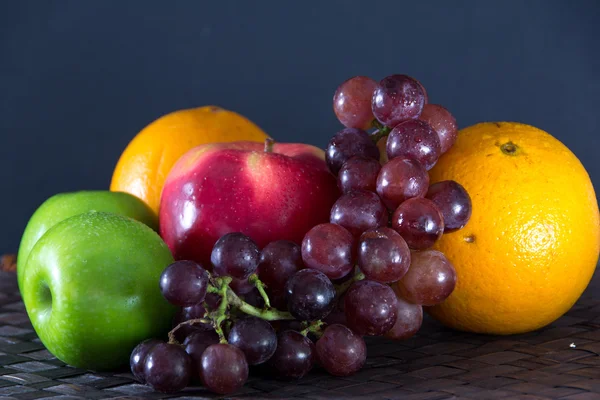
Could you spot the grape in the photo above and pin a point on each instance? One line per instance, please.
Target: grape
(430, 279)
(348, 143)
(224, 369)
(184, 283)
(255, 337)
(310, 295)
(414, 139)
(442, 122)
(454, 203)
(352, 102)
(235, 255)
(340, 351)
(419, 222)
(397, 98)
(196, 343)
(358, 211)
(370, 308)
(294, 356)
(168, 368)
(400, 179)
(409, 321)
(138, 358)
(278, 261)
(359, 173)
(329, 248)
(383, 255)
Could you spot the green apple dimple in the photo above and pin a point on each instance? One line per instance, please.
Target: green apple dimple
(91, 289)
(64, 205)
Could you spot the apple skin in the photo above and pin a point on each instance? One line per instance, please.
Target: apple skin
(64, 205)
(90, 288)
(266, 192)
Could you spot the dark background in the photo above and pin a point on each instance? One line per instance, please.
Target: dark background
(78, 79)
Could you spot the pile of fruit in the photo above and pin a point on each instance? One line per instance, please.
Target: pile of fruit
(368, 271)
(218, 249)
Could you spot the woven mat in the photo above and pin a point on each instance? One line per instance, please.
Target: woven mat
(558, 362)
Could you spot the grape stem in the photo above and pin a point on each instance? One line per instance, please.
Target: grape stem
(382, 131)
(172, 339)
(253, 279)
(269, 314)
(341, 288)
(315, 327)
(220, 314)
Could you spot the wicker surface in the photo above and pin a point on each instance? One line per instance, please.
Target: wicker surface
(560, 361)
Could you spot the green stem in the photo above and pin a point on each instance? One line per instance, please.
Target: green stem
(382, 132)
(341, 288)
(220, 314)
(253, 279)
(270, 314)
(315, 327)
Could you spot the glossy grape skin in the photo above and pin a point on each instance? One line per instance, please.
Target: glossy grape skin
(224, 369)
(383, 255)
(454, 203)
(310, 295)
(409, 320)
(443, 123)
(430, 279)
(195, 344)
(168, 368)
(419, 222)
(414, 139)
(294, 356)
(255, 337)
(352, 102)
(347, 143)
(340, 351)
(370, 308)
(358, 211)
(400, 179)
(185, 314)
(184, 283)
(279, 260)
(396, 99)
(137, 361)
(359, 173)
(235, 255)
(329, 248)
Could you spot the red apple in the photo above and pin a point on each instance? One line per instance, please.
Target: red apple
(268, 192)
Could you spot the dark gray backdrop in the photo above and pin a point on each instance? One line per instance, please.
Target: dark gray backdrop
(79, 78)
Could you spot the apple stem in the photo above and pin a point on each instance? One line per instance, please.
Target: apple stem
(172, 339)
(341, 288)
(269, 143)
(315, 327)
(261, 289)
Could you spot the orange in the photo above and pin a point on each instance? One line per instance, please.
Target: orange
(532, 243)
(145, 163)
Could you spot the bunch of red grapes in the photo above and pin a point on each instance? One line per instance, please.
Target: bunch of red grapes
(368, 272)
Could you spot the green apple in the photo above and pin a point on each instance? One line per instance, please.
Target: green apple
(65, 205)
(91, 289)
